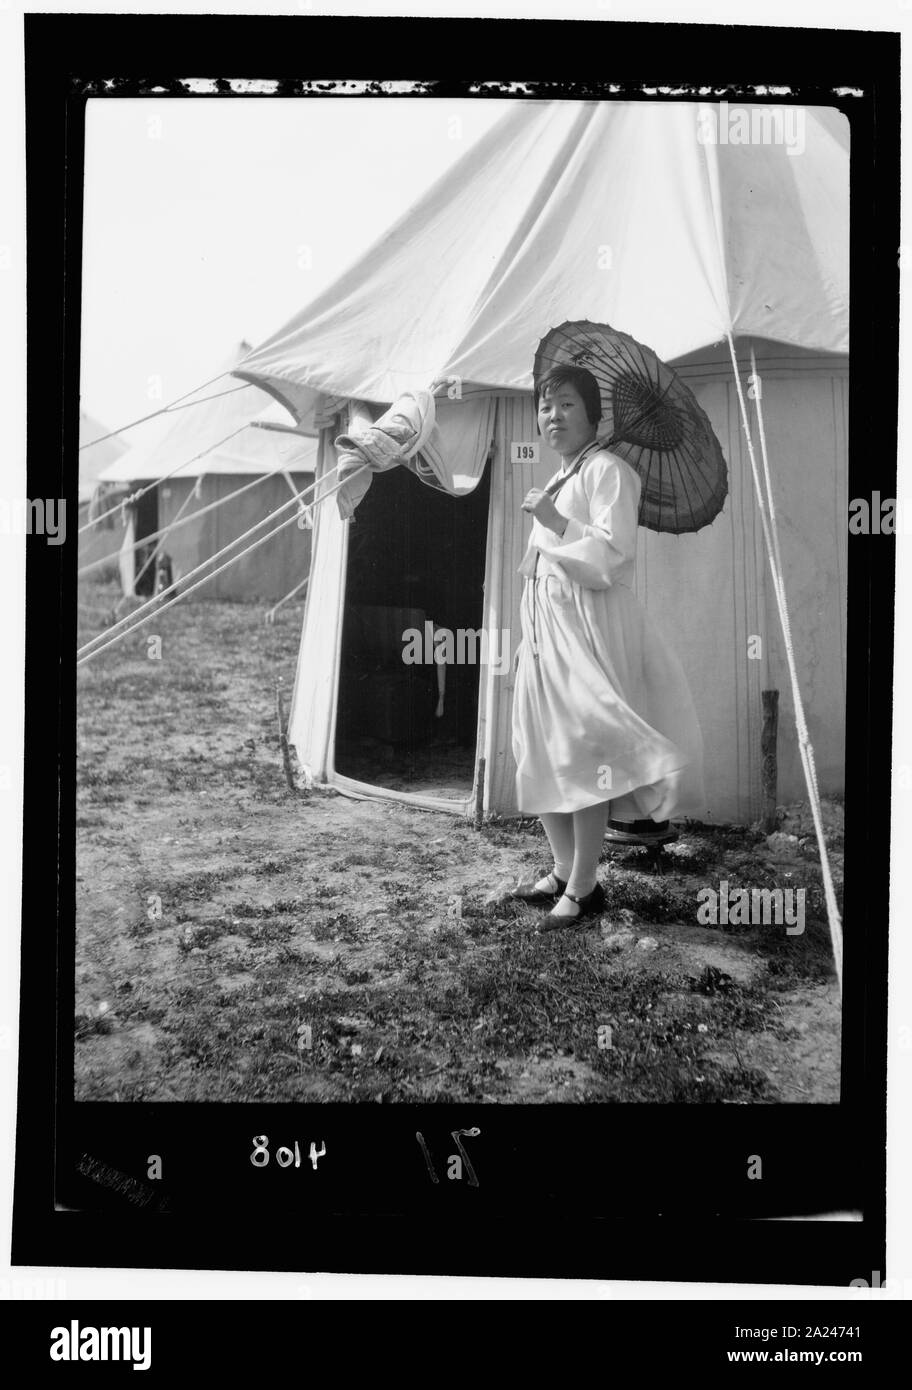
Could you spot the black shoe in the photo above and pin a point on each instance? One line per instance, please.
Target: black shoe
(589, 906)
(531, 895)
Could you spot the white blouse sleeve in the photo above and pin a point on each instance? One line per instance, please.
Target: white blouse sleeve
(590, 553)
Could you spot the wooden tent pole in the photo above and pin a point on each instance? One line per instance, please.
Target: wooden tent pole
(270, 615)
(283, 741)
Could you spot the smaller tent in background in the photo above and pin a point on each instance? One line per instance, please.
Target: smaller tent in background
(234, 448)
(107, 537)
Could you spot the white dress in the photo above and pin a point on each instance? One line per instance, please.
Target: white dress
(604, 711)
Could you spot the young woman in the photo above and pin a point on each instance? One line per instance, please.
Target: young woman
(602, 713)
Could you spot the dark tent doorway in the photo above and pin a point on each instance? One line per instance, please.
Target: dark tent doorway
(146, 513)
(416, 564)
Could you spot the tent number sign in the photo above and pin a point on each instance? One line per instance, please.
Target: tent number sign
(523, 453)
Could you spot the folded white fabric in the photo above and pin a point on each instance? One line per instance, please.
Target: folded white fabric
(326, 410)
(454, 455)
(380, 444)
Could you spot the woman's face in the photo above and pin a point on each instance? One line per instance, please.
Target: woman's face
(562, 419)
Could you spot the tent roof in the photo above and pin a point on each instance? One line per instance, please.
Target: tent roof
(93, 460)
(220, 409)
(614, 212)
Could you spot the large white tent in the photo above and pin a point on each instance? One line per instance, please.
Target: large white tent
(221, 440)
(699, 230)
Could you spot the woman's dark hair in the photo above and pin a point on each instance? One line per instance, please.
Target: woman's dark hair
(580, 378)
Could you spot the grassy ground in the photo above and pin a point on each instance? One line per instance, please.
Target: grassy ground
(236, 941)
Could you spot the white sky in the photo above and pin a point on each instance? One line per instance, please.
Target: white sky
(196, 212)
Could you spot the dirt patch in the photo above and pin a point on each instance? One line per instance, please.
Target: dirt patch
(809, 1071)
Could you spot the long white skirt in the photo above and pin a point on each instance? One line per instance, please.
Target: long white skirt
(605, 712)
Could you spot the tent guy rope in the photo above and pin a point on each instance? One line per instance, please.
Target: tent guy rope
(210, 560)
(160, 607)
(175, 524)
(129, 624)
(770, 534)
(302, 584)
(157, 547)
(806, 748)
(162, 410)
(141, 492)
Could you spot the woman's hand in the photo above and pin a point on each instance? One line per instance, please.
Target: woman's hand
(542, 507)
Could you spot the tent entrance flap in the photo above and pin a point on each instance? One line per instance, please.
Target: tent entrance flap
(414, 590)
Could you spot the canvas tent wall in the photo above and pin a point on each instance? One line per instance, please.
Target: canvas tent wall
(696, 241)
(269, 572)
(107, 537)
(246, 454)
(96, 452)
(726, 600)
